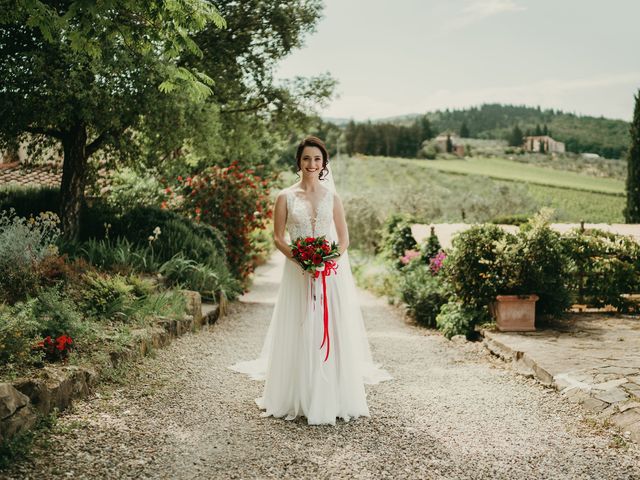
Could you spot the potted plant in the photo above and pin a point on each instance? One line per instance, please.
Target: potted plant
(530, 267)
(513, 307)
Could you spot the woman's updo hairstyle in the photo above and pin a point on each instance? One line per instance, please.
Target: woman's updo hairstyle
(312, 141)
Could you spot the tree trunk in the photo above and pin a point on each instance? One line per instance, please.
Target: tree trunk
(74, 172)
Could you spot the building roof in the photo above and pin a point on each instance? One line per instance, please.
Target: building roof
(19, 174)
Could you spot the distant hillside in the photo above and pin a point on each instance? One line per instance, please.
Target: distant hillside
(606, 137)
(609, 138)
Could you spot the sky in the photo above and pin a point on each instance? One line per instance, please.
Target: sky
(411, 56)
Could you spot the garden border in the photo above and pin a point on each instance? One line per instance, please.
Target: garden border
(24, 400)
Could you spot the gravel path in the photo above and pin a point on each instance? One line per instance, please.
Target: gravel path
(453, 411)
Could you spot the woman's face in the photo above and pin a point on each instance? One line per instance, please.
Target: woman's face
(311, 161)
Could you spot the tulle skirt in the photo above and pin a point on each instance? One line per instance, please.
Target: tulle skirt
(298, 380)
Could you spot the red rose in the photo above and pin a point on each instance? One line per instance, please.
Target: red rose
(309, 239)
(317, 259)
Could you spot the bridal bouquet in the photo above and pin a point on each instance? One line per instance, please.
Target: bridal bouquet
(314, 254)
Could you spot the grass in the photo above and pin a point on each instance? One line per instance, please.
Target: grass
(388, 185)
(505, 169)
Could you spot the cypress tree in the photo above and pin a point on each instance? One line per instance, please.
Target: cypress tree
(464, 130)
(516, 139)
(632, 210)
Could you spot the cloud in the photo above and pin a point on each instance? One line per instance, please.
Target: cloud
(606, 94)
(477, 10)
(586, 93)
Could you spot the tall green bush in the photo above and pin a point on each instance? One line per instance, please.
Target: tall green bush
(422, 292)
(24, 245)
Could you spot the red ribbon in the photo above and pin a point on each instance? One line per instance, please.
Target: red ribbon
(329, 266)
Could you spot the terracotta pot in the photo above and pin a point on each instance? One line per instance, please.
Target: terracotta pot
(515, 313)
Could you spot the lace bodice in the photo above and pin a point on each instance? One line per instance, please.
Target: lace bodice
(301, 221)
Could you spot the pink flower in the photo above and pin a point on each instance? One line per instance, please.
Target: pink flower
(435, 263)
(409, 255)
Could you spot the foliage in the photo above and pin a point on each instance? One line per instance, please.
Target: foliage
(127, 187)
(374, 274)
(503, 168)
(423, 293)
(396, 239)
(94, 71)
(431, 246)
(471, 266)
(456, 318)
(178, 234)
(212, 283)
(56, 314)
(29, 199)
(24, 245)
(233, 199)
(580, 133)
(632, 209)
(19, 332)
(386, 138)
(537, 263)
(363, 219)
(516, 139)
(118, 255)
(105, 296)
(607, 265)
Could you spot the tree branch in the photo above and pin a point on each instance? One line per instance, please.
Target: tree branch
(251, 108)
(100, 139)
(45, 131)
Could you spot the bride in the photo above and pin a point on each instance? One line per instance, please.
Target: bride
(301, 378)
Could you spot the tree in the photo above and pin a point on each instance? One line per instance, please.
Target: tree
(80, 75)
(464, 130)
(242, 60)
(538, 131)
(449, 144)
(516, 138)
(632, 209)
(545, 131)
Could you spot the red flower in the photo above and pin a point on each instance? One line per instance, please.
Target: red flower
(317, 259)
(309, 239)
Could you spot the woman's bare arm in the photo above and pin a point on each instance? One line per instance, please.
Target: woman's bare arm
(279, 223)
(341, 224)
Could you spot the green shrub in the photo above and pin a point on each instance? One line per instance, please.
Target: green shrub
(423, 293)
(364, 222)
(19, 332)
(470, 267)
(179, 234)
(56, 314)
(118, 255)
(212, 283)
(430, 247)
(126, 187)
(29, 200)
(455, 318)
(606, 266)
(24, 244)
(542, 266)
(397, 238)
(374, 274)
(105, 296)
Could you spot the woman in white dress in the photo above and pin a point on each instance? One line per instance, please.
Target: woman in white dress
(298, 379)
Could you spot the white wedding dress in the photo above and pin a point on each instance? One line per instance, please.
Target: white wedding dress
(298, 380)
